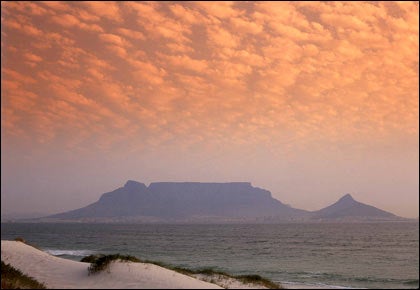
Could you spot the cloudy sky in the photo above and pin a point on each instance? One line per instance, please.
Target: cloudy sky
(308, 100)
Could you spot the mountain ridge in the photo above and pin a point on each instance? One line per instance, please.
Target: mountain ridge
(207, 202)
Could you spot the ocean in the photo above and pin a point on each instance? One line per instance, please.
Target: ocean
(339, 255)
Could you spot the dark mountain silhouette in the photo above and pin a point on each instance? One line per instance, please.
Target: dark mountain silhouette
(348, 208)
(185, 201)
(208, 202)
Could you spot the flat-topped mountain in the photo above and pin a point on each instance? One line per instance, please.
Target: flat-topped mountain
(348, 208)
(185, 201)
(208, 202)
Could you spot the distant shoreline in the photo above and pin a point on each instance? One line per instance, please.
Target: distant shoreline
(36, 220)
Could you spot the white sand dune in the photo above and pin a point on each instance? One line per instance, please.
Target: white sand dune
(61, 273)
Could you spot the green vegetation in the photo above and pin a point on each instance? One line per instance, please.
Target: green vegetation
(12, 278)
(257, 279)
(91, 258)
(22, 240)
(101, 262)
(246, 279)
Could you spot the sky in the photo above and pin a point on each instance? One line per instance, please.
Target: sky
(309, 100)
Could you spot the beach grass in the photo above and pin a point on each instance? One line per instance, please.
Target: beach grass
(257, 279)
(22, 240)
(100, 262)
(12, 278)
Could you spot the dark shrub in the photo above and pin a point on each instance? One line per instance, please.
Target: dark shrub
(91, 258)
(102, 261)
(12, 278)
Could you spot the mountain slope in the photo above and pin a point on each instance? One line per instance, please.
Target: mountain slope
(209, 202)
(188, 201)
(348, 208)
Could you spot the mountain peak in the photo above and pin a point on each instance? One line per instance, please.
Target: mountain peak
(347, 197)
(204, 202)
(131, 184)
(347, 207)
(185, 201)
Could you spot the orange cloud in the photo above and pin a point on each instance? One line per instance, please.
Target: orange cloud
(86, 16)
(109, 10)
(32, 57)
(221, 37)
(245, 26)
(113, 39)
(220, 9)
(185, 14)
(147, 72)
(18, 77)
(56, 5)
(296, 70)
(133, 34)
(344, 21)
(185, 62)
(22, 26)
(68, 20)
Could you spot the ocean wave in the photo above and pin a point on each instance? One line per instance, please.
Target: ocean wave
(304, 285)
(411, 282)
(345, 279)
(77, 253)
(309, 274)
(385, 280)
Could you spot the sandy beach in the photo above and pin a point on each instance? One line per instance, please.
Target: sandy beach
(57, 272)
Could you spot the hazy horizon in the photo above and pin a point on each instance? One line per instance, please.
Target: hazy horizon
(43, 214)
(309, 100)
